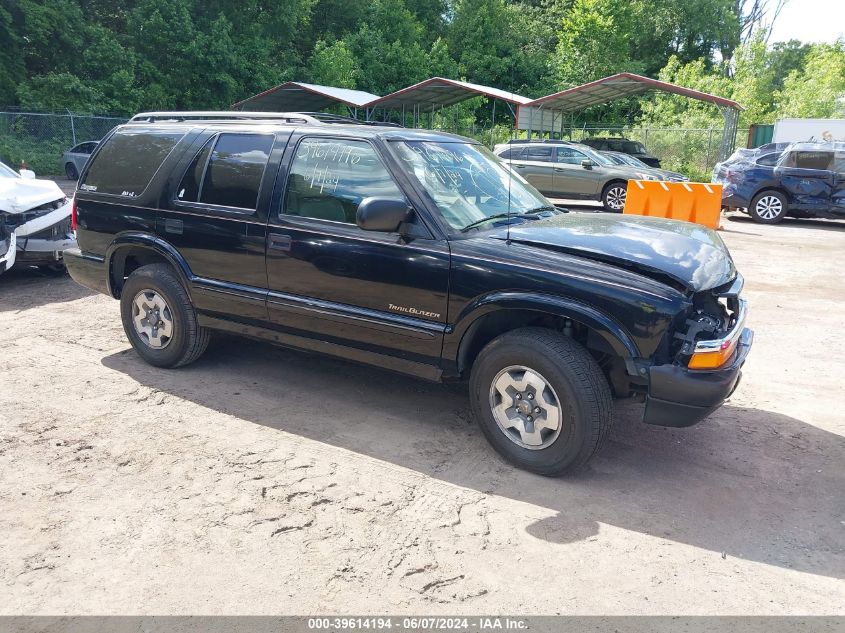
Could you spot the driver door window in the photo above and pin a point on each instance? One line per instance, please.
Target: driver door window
(569, 156)
(329, 178)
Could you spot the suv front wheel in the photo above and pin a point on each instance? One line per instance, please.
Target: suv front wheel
(541, 400)
(613, 196)
(159, 319)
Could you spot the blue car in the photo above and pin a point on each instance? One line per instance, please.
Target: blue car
(800, 180)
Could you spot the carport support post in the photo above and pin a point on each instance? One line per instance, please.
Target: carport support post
(493, 127)
(731, 116)
(72, 127)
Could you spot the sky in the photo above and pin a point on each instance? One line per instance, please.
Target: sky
(809, 21)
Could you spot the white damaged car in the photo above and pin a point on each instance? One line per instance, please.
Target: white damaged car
(35, 224)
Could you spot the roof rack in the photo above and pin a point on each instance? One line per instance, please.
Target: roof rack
(517, 141)
(300, 118)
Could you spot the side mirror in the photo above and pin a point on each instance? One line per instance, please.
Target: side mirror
(382, 214)
(27, 173)
(587, 163)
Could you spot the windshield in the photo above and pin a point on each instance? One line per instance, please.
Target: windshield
(633, 160)
(468, 183)
(7, 172)
(633, 147)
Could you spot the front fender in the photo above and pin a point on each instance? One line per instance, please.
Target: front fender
(602, 324)
(131, 240)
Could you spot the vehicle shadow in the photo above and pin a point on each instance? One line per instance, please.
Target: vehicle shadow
(22, 288)
(745, 483)
(795, 223)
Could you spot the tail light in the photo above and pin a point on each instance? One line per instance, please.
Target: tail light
(73, 215)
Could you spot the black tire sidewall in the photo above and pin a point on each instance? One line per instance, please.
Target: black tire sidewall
(571, 443)
(752, 210)
(70, 171)
(160, 279)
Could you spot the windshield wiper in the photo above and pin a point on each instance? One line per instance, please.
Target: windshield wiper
(547, 207)
(496, 216)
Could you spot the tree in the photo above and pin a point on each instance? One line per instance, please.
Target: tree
(818, 90)
(333, 65)
(594, 42)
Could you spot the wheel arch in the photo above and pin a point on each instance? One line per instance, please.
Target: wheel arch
(130, 251)
(503, 312)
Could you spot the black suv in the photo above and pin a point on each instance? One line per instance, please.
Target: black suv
(624, 145)
(414, 251)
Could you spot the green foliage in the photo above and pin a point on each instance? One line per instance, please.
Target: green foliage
(122, 56)
(819, 91)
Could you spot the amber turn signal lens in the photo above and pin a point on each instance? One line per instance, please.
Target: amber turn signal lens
(714, 359)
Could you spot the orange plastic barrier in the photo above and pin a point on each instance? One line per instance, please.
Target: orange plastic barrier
(688, 201)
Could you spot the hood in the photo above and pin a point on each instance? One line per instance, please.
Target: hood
(18, 195)
(669, 251)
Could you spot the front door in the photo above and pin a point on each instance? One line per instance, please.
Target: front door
(571, 178)
(375, 294)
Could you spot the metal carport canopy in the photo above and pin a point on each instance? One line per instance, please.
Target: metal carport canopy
(296, 96)
(536, 114)
(441, 92)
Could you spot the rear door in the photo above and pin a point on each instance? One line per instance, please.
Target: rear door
(216, 218)
(571, 178)
(808, 177)
(535, 164)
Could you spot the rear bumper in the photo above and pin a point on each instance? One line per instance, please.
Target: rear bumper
(87, 270)
(680, 397)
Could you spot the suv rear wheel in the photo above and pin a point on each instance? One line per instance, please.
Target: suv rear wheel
(768, 207)
(613, 196)
(159, 319)
(541, 400)
(70, 171)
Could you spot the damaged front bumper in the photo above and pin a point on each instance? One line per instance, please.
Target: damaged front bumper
(680, 396)
(41, 240)
(8, 252)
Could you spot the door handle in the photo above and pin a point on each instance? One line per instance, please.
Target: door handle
(560, 168)
(173, 226)
(520, 166)
(279, 242)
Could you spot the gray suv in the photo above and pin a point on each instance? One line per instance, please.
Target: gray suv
(560, 169)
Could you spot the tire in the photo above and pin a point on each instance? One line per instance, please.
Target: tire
(568, 375)
(613, 196)
(180, 340)
(70, 171)
(768, 207)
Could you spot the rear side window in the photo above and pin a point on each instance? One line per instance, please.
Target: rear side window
(769, 160)
(227, 171)
(543, 154)
(128, 161)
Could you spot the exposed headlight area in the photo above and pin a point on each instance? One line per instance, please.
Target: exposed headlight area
(714, 328)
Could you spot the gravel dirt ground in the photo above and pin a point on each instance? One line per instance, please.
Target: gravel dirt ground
(264, 481)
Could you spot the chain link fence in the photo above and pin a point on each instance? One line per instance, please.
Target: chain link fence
(40, 139)
(692, 152)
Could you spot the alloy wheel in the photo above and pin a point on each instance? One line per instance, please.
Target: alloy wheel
(525, 407)
(152, 319)
(769, 207)
(616, 198)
